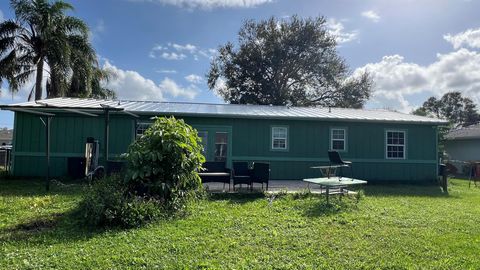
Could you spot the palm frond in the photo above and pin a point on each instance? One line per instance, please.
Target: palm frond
(75, 26)
(43, 32)
(60, 7)
(8, 28)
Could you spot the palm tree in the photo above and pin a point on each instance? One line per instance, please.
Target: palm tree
(42, 38)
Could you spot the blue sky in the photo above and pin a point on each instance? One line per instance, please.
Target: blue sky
(161, 49)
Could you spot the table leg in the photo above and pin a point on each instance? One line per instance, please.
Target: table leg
(328, 191)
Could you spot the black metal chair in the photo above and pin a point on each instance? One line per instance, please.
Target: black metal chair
(336, 159)
(260, 173)
(241, 174)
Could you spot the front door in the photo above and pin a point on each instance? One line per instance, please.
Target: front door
(216, 141)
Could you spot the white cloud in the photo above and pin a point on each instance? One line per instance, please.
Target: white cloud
(187, 47)
(395, 80)
(166, 71)
(99, 27)
(193, 78)
(130, 84)
(469, 38)
(210, 4)
(1, 16)
(158, 48)
(97, 30)
(371, 15)
(337, 29)
(155, 50)
(22, 94)
(173, 56)
(174, 51)
(173, 89)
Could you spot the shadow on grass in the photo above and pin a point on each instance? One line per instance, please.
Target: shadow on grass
(50, 229)
(337, 205)
(237, 198)
(67, 226)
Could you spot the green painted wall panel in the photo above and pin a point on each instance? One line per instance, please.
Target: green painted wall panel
(69, 133)
(308, 142)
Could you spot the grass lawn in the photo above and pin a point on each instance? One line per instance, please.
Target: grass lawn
(392, 227)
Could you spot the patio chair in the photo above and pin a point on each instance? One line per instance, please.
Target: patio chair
(215, 172)
(241, 174)
(336, 159)
(260, 173)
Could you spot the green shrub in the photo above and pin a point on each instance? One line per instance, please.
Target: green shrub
(108, 203)
(163, 163)
(161, 177)
(102, 201)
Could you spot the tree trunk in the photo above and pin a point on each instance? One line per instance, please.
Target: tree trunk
(39, 79)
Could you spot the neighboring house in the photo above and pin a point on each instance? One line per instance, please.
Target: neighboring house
(383, 145)
(463, 145)
(6, 136)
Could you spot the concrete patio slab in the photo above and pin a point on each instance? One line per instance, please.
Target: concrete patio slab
(274, 186)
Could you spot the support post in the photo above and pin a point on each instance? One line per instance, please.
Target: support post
(106, 139)
(47, 150)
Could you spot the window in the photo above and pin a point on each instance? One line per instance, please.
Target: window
(221, 145)
(204, 137)
(141, 128)
(279, 138)
(338, 139)
(395, 146)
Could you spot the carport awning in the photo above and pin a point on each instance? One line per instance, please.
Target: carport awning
(44, 108)
(46, 111)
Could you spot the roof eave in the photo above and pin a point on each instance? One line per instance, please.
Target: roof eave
(116, 109)
(436, 123)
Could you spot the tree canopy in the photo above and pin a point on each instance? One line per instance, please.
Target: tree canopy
(286, 62)
(44, 39)
(460, 111)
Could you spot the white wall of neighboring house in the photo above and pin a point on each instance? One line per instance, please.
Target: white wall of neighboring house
(465, 150)
(463, 146)
(461, 152)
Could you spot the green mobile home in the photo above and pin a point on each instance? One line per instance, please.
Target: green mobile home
(383, 145)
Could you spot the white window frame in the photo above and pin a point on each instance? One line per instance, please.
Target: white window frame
(272, 138)
(215, 145)
(138, 124)
(390, 144)
(344, 139)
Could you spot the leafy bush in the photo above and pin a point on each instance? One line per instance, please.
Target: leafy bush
(161, 176)
(163, 163)
(108, 203)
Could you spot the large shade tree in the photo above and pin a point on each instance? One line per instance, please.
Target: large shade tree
(459, 110)
(43, 41)
(286, 62)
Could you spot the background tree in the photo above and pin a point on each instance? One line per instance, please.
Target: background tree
(286, 62)
(459, 110)
(42, 38)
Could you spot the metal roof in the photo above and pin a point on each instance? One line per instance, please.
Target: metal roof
(224, 110)
(470, 132)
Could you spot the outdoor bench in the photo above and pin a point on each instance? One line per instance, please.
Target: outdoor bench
(215, 172)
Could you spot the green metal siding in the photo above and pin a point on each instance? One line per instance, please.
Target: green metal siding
(68, 137)
(308, 143)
